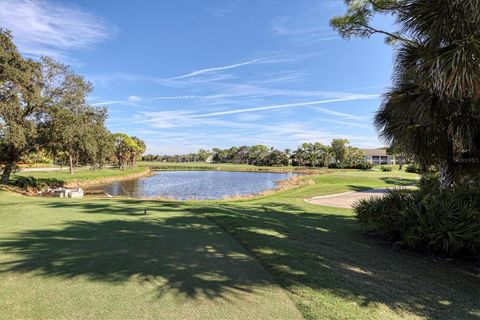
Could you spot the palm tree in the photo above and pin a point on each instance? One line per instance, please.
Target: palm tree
(433, 109)
(432, 112)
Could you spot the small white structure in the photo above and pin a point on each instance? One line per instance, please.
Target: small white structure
(64, 193)
(378, 156)
(78, 193)
(57, 193)
(209, 159)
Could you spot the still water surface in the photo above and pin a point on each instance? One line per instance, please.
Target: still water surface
(196, 184)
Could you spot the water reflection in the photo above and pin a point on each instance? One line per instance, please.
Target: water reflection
(196, 184)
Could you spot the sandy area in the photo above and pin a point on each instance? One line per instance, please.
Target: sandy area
(346, 199)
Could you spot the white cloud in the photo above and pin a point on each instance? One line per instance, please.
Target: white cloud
(213, 69)
(188, 118)
(227, 9)
(137, 99)
(290, 105)
(158, 128)
(344, 115)
(305, 26)
(49, 28)
(134, 99)
(248, 117)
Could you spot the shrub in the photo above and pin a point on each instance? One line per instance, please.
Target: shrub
(446, 222)
(362, 166)
(31, 183)
(336, 165)
(413, 168)
(429, 182)
(386, 168)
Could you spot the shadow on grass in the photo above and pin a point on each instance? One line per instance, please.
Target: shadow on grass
(390, 181)
(397, 181)
(327, 252)
(353, 187)
(324, 251)
(179, 253)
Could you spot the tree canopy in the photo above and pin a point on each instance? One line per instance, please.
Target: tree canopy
(44, 108)
(21, 104)
(432, 111)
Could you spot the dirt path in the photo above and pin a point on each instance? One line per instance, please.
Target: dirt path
(345, 199)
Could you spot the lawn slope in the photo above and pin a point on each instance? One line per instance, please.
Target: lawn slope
(83, 259)
(64, 258)
(320, 255)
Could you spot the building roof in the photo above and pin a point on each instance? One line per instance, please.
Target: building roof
(375, 152)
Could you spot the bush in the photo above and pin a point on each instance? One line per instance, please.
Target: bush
(413, 168)
(336, 165)
(31, 183)
(386, 168)
(362, 166)
(446, 222)
(429, 182)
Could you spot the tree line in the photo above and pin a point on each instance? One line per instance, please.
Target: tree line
(338, 153)
(44, 108)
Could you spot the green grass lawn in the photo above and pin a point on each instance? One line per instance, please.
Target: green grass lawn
(156, 165)
(274, 257)
(80, 174)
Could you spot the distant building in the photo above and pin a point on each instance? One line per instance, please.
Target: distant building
(378, 156)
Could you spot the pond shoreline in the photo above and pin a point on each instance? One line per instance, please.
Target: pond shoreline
(238, 168)
(295, 181)
(104, 181)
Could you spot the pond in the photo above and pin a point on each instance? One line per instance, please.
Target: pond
(184, 185)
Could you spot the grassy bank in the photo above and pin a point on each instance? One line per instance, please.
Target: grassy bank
(274, 257)
(83, 176)
(224, 167)
(331, 271)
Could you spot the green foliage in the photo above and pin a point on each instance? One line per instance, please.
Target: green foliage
(35, 184)
(361, 165)
(20, 104)
(413, 168)
(339, 149)
(127, 149)
(429, 182)
(38, 157)
(73, 128)
(43, 106)
(203, 154)
(307, 154)
(432, 111)
(311, 154)
(364, 166)
(445, 222)
(386, 168)
(356, 22)
(337, 165)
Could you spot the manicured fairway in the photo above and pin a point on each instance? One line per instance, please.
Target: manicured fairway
(106, 260)
(82, 175)
(270, 258)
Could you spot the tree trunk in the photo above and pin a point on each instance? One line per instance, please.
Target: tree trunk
(447, 175)
(6, 173)
(70, 163)
(400, 162)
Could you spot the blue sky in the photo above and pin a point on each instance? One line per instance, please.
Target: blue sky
(184, 75)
